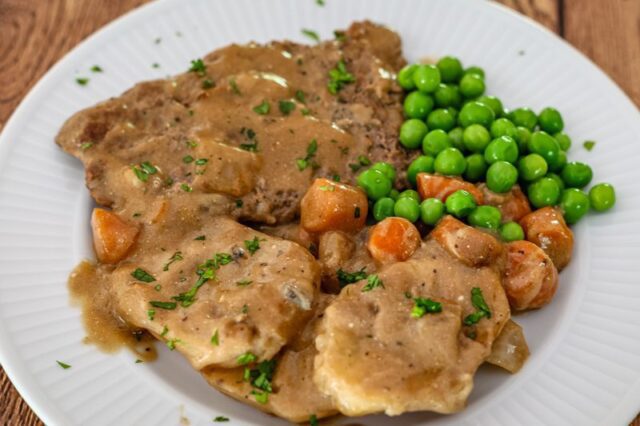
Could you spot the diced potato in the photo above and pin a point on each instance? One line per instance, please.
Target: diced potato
(468, 244)
(394, 239)
(440, 187)
(112, 237)
(547, 229)
(333, 206)
(510, 349)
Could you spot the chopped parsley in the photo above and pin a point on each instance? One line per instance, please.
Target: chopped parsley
(155, 65)
(320, 3)
(215, 339)
(164, 332)
(243, 283)
(425, 306)
(286, 107)
(171, 344)
(339, 35)
(158, 287)
(589, 145)
(86, 145)
(187, 159)
(356, 211)
(246, 358)
(362, 161)
(252, 245)
(142, 275)
(198, 67)
(144, 170)
(482, 309)
(185, 187)
(96, 68)
(187, 298)
(260, 378)
(251, 147)
(163, 305)
(201, 161)
(63, 365)
(191, 143)
(300, 96)
(313, 420)
(239, 203)
(311, 34)
(176, 257)
(263, 108)
(339, 77)
(221, 419)
(151, 314)
(345, 278)
(207, 83)
(234, 86)
(303, 163)
(200, 238)
(139, 361)
(245, 309)
(373, 281)
(330, 188)
(82, 81)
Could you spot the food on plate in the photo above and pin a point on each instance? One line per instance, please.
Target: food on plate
(325, 229)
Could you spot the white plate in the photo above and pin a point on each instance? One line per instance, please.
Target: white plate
(585, 363)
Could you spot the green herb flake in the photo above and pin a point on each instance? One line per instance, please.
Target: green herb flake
(139, 361)
(63, 365)
(163, 305)
(142, 275)
(251, 147)
(155, 65)
(286, 107)
(185, 187)
(373, 281)
(263, 108)
(407, 295)
(191, 143)
(589, 145)
(482, 309)
(201, 161)
(215, 339)
(86, 145)
(246, 358)
(363, 160)
(312, 148)
(200, 238)
(187, 159)
(243, 283)
(252, 245)
(207, 83)
(234, 86)
(339, 77)
(245, 309)
(164, 332)
(205, 274)
(261, 397)
(151, 314)
(144, 170)
(171, 344)
(82, 81)
(199, 67)
(177, 256)
(320, 2)
(305, 111)
(313, 420)
(424, 306)
(239, 203)
(96, 68)
(221, 419)
(340, 36)
(330, 188)
(300, 96)
(311, 34)
(158, 287)
(345, 278)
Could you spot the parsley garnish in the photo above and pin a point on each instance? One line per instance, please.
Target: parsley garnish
(482, 309)
(373, 281)
(234, 86)
(252, 245)
(329, 188)
(164, 332)
(313, 420)
(260, 378)
(362, 161)
(186, 299)
(311, 34)
(63, 365)
(263, 108)
(155, 65)
(246, 358)
(151, 314)
(207, 83)
(221, 419)
(300, 96)
(286, 107)
(201, 161)
(144, 171)
(171, 344)
(243, 283)
(82, 81)
(345, 278)
(185, 187)
(163, 305)
(251, 147)
(191, 143)
(339, 77)
(86, 145)
(176, 257)
(198, 67)
(339, 35)
(320, 2)
(200, 238)
(589, 145)
(215, 339)
(187, 159)
(312, 148)
(245, 309)
(158, 287)
(142, 275)
(139, 361)
(425, 306)
(96, 68)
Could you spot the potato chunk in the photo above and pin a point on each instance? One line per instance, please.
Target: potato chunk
(547, 229)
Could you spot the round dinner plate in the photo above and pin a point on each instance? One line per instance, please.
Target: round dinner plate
(585, 363)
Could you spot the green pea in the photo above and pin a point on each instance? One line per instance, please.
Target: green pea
(543, 192)
(494, 103)
(394, 194)
(456, 138)
(558, 180)
(503, 148)
(450, 161)
(435, 141)
(522, 137)
(475, 70)
(602, 197)
(426, 78)
(383, 208)
(417, 105)
(447, 95)
(563, 140)
(560, 162)
(431, 211)
(405, 77)
(546, 146)
(476, 138)
(441, 119)
(511, 231)
(476, 168)
(412, 132)
(524, 117)
(422, 164)
(407, 208)
(550, 120)
(476, 113)
(485, 217)
(460, 203)
(574, 204)
(503, 127)
(532, 167)
(471, 85)
(501, 176)
(410, 193)
(576, 175)
(450, 69)
(374, 183)
(386, 168)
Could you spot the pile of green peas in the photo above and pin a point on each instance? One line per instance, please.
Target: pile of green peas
(464, 132)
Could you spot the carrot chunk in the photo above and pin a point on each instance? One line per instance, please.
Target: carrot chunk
(394, 239)
(440, 187)
(333, 206)
(112, 237)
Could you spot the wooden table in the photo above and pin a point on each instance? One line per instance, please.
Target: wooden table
(35, 34)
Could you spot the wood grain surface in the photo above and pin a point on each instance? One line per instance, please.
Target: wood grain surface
(36, 34)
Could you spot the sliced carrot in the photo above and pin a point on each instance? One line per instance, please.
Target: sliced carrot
(440, 187)
(333, 206)
(547, 229)
(393, 240)
(112, 237)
